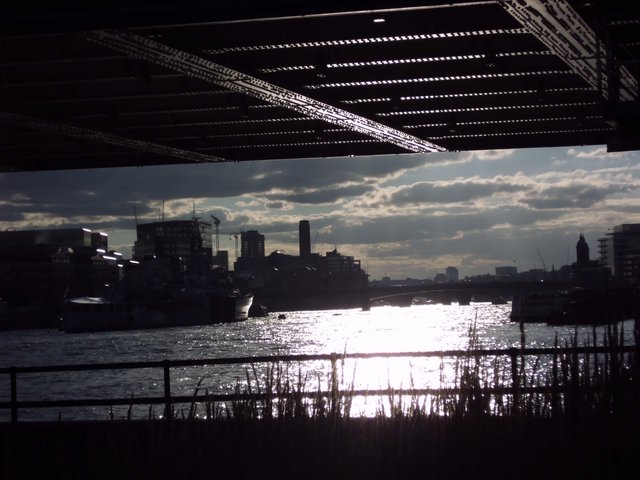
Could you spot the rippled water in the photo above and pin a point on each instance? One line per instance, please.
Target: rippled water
(382, 329)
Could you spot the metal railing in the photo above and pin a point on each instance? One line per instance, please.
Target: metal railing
(14, 404)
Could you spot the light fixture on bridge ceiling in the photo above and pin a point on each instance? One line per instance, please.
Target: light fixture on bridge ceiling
(379, 20)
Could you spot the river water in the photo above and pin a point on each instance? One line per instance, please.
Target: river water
(382, 329)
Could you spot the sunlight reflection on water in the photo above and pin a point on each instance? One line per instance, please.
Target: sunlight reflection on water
(382, 329)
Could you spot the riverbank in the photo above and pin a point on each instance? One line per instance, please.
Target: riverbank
(389, 448)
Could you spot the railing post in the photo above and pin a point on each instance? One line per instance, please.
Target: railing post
(167, 390)
(515, 380)
(14, 395)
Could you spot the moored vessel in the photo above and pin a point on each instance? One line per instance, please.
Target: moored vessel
(578, 306)
(150, 298)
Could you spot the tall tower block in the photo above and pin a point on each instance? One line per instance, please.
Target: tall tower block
(304, 233)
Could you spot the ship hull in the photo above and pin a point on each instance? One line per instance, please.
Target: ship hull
(90, 314)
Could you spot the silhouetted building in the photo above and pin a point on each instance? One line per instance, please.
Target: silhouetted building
(252, 244)
(100, 241)
(307, 281)
(304, 234)
(221, 259)
(42, 267)
(451, 274)
(338, 264)
(582, 252)
(605, 250)
(251, 260)
(187, 239)
(586, 271)
(68, 237)
(507, 271)
(626, 252)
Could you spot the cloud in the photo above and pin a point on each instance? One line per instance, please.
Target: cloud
(320, 196)
(278, 206)
(452, 192)
(421, 225)
(597, 153)
(493, 154)
(575, 195)
(115, 190)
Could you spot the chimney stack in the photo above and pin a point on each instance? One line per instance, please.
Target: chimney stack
(304, 233)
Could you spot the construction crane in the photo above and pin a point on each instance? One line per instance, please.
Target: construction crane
(235, 235)
(194, 213)
(544, 267)
(216, 223)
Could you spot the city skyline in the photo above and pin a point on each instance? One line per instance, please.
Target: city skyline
(402, 216)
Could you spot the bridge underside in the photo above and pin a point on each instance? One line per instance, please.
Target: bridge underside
(160, 83)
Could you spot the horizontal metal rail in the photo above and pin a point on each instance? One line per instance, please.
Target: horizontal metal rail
(514, 353)
(314, 357)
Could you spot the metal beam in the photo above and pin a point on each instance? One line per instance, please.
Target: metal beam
(47, 126)
(566, 34)
(136, 46)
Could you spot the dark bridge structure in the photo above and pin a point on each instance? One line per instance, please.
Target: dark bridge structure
(149, 83)
(496, 292)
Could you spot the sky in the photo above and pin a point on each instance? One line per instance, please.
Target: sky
(402, 215)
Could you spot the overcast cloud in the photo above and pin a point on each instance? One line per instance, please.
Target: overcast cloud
(402, 216)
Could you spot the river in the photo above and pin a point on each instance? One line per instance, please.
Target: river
(382, 329)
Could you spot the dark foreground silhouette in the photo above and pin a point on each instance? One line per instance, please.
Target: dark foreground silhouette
(389, 448)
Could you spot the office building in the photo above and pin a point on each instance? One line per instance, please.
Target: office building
(626, 252)
(451, 274)
(186, 239)
(43, 267)
(67, 237)
(506, 271)
(252, 244)
(605, 251)
(100, 241)
(345, 268)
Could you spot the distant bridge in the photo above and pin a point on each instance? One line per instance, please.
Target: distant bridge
(495, 292)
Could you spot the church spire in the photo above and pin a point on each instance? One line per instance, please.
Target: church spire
(582, 251)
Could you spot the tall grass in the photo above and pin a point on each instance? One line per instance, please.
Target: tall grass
(560, 385)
